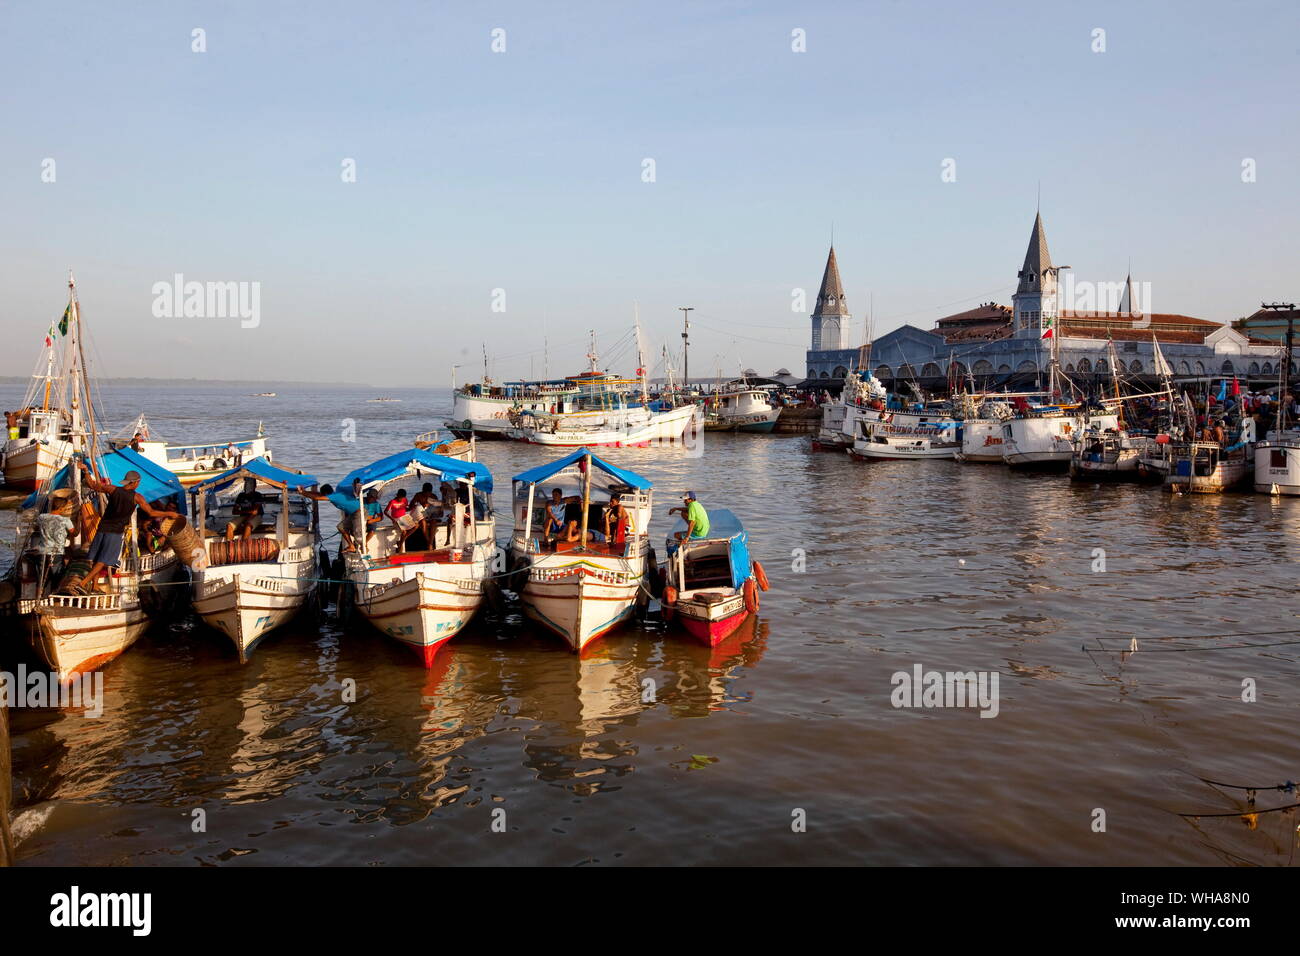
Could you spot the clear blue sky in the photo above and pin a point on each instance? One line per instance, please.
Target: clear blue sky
(522, 171)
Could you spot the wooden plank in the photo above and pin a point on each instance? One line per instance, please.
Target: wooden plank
(6, 790)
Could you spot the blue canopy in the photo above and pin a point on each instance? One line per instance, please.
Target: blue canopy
(542, 472)
(394, 466)
(261, 469)
(155, 480)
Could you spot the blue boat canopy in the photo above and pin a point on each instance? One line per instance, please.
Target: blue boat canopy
(542, 472)
(262, 470)
(394, 466)
(155, 480)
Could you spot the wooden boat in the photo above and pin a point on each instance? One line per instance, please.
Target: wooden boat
(711, 584)
(458, 448)
(246, 588)
(424, 595)
(879, 441)
(195, 463)
(1110, 455)
(740, 408)
(41, 439)
(581, 590)
(1208, 468)
(1277, 464)
(625, 427)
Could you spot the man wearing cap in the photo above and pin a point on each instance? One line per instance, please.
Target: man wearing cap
(697, 519)
(106, 549)
(348, 505)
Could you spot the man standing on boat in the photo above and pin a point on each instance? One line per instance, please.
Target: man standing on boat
(348, 506)
(106, 549)
(696, 518)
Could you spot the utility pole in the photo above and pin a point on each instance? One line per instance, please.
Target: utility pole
(686, 343)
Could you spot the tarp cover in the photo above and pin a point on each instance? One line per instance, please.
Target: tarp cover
(155, 480)
(394, 466)
(542, 472)
(258, 468)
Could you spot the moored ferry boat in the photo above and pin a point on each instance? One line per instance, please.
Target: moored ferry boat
(739, 407)
(881, 441)
(1207, 467)
(420, 585)
(711, 584)
(578, 574)
(246, 587)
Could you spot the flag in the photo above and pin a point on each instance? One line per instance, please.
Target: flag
(1236, 387)
(63, 322)
(1223, 390)
(1047, 328)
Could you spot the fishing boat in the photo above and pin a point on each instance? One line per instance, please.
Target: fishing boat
(247, 587)
(711, 584)
(574, 580)
(418, 591)
(1207, 467)
(263, 395)
(74, 633)
(383, 399)
(738, 407)
(882, 441)
(458, 448)
(982, 418)
(1277, 457)
(191, 463)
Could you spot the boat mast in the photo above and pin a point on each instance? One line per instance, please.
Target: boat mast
(586, 496)
(640, 356)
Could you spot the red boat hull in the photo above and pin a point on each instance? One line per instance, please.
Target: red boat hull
(713, 633)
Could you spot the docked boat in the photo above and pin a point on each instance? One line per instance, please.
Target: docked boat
(615, 426)
(1108, 455)
(711, 584)
(246, 587)
(1277, 457)
(420, 592)
(577, 587)
(1203, 467)
(459, 448)
(191, 463)
(77, 633)
(881, 441)
(740, 408)
(981, 428)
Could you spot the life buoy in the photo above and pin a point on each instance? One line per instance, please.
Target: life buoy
(751, 596)
(760, 575)
(670, 595)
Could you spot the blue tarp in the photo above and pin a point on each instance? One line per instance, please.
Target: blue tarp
(155, 480)
(258, 468)
(542, 472)
(394, 466)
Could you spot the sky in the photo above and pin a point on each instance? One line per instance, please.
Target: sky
(502, 199)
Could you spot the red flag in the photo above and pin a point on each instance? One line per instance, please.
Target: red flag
(1236, 387)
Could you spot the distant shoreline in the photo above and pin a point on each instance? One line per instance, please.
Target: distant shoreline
(264, 386)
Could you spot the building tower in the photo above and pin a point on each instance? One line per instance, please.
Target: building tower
(831, 318)
(1034, 304)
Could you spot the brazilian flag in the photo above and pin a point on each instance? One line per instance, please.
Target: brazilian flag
(63, 322)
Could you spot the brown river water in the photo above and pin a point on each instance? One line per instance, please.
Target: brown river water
(781, 746)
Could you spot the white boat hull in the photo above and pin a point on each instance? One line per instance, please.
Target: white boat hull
(660, 426)
(246, 602)
(75, 635)
(981, 441)
(422, 605)
(1046, 442)
(582, 597)
(27, 464)
(1277, 467)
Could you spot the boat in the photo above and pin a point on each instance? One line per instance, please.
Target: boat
(739, 407)
(711, 584)
(75, 633)
(483, 411)
(580, 590)
(1206, 467)
(263, 395)
(982, 417)
(617, 426)
(1277, 457)
(458, 448)
(882, 441)
(195, 463)
(383, 399)
(247, 587)
(39, 437)
(424, 593)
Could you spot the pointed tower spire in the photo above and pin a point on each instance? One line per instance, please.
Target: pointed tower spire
(1127, 298)
(1037, 259)
(830, 300)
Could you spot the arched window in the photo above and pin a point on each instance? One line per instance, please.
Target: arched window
(1135, 367)
(1003, 369)
(1227, 368)
(1254, 368)
(983, 367)
(1026, 366)
(906, 371)
(1085, 366)
(1102, 366)
(840, 372)
(826, 374)
(1200, 368)
(1268, 368)
(1184, 368)
(812, 372)
(959, 368)
(930, 370)
(883, 371)
(1069, 366)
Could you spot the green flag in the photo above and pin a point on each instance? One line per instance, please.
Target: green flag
(63, 322)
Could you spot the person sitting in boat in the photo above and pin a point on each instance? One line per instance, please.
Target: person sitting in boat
(248, 512)
(618, 521)
(398, 511)
(423, 505)
(696, 518)
(554, 513)
(106, 549)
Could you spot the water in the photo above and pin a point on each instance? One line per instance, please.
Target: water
(792, 719)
